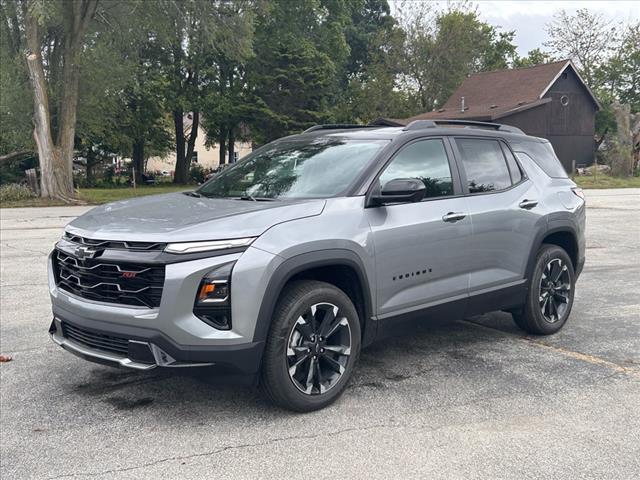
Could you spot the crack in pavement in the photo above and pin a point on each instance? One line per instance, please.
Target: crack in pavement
(227, 448)
(22, 249)
(428, 428)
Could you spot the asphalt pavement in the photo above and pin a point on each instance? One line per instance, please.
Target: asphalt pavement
(473, 399)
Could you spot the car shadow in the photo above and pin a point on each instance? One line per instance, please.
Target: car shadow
(201, 392)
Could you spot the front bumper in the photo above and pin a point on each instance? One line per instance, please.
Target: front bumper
(171, 335)
(147, 350)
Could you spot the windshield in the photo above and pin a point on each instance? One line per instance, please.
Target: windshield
(320, 168)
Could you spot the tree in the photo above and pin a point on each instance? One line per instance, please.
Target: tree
(56, 30)
(585, 37)
(294, 71)
(618, 77)
(369, 78)
(534, 57)
(16, 141)
(195, 30)
(443, 47)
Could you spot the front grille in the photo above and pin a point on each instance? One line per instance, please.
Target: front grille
(98, 341)
(110, 281)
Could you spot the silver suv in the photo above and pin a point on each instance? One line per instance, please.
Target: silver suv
(282, 267)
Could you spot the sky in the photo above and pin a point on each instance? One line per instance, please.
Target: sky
(528, 18)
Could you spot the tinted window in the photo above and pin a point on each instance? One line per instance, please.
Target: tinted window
(514, 168)
(320, 167)
(543, 154)
(484, 165)
(426, 160)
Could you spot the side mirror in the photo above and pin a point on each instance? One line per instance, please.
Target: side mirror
(400, 190)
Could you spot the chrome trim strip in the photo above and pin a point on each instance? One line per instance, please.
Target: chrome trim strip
(105, 283)
(162, 358)
(72, 346)
(120, 270)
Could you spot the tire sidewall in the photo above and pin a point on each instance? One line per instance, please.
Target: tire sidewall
(547, 254)
(275, 368)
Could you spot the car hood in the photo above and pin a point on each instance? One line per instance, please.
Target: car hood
(177, 217)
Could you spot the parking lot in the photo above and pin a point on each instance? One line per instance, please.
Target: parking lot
(472, 399)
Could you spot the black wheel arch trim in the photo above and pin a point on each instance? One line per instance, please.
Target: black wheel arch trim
(555, 226)
(306, 261)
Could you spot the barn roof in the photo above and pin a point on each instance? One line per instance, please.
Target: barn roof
(497, 94)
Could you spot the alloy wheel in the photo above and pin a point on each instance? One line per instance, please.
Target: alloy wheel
(318, 349)
(554, 290)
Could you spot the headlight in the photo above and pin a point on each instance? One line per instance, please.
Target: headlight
(213, 299)
(195, 247)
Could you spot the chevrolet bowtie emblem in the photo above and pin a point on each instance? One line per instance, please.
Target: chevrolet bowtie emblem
(83, 252)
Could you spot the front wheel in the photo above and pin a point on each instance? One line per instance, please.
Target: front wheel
(551, 293)
(312, 347)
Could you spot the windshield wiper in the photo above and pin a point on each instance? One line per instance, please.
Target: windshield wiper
(192, 194)
(251, 198)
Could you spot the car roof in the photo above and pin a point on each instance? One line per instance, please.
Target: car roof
(393, 133)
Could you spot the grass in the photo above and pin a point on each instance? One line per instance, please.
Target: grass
(606, 181)
(97, 196)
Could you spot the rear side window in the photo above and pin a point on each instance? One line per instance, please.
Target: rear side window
(542, 153)
(514, 168)
(426, 160)
(484, 165)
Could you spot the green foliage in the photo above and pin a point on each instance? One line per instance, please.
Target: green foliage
(586, 37)
(12, 192)
(196, 174)
(12, 171)
(294, 70)
(618, 77)
(261, 69)
(534, 57)
(443, 47)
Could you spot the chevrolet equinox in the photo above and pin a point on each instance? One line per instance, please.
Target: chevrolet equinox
(284, 266)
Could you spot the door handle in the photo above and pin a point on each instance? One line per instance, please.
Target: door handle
(453, 217)
(528, 204)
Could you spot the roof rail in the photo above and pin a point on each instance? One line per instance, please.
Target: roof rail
(420, 124)
(338, 126)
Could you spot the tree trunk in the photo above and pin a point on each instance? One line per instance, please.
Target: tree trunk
(138, 159)
(222, 144)
(191, 143)
(91, 161)
(56, 160)
(178, 123)
(232, 144)
(183, 158)
(55, 180)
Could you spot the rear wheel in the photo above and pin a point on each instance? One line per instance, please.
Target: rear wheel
(551, 293)
(312, 347)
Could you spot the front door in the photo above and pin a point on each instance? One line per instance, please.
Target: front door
(421, 248)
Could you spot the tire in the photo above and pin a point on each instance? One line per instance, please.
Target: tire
(537, 314)
(296, 343)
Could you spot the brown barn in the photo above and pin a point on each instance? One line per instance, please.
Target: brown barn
(549, 100)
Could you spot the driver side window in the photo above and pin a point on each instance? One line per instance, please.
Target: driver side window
(425, 160)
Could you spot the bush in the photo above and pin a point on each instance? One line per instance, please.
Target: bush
(12, 171)
(196, 174)
(12, 192)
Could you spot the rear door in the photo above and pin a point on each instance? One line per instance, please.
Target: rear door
(504, 210)
(421, 247)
